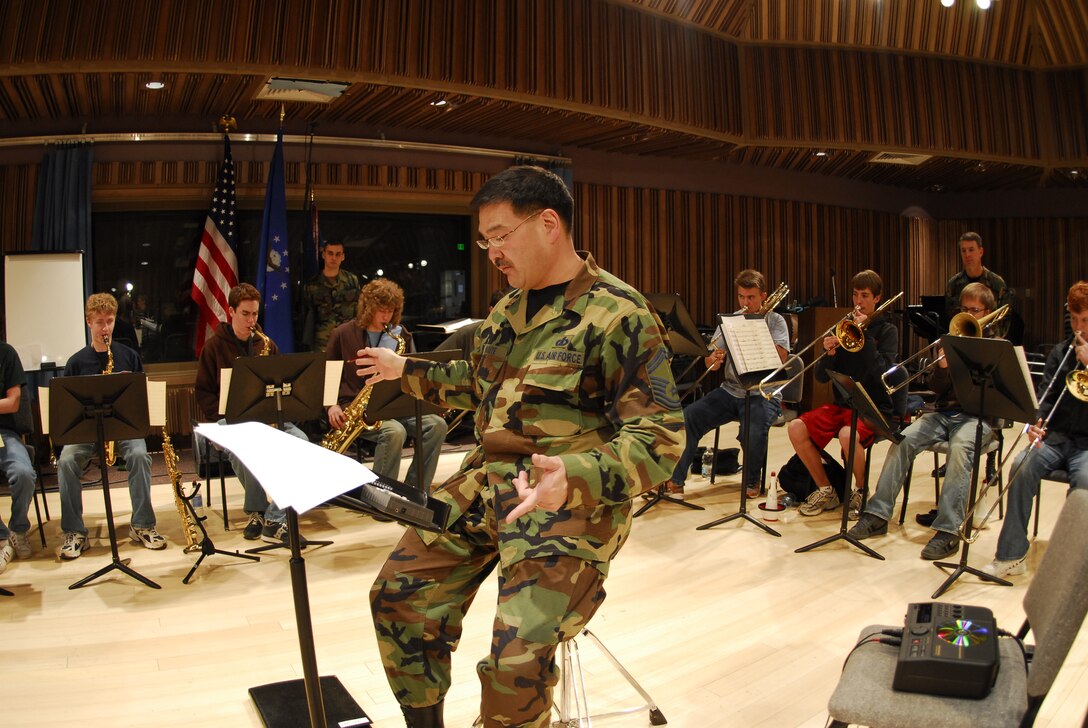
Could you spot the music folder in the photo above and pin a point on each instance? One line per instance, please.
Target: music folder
(749, 343)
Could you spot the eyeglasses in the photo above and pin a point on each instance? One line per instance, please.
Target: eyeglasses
(973, 310)
(499, 240)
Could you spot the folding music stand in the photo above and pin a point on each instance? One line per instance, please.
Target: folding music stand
(272, 390)
(861, 405)
(98, 409)
(990, 381)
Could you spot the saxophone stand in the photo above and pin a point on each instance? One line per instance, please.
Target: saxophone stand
(857, 399)
(207, 548)
(261, 386)
(101, 408)
(989, 383)
(742, 512)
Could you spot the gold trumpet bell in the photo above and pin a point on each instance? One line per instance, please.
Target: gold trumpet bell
(1077, 384)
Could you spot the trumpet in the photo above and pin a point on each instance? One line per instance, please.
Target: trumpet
(962, 324)
(1076, 384)
(851, 337)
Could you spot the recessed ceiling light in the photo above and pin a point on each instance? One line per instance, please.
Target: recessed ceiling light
(155, 85)
(440, 103)
(819, 154)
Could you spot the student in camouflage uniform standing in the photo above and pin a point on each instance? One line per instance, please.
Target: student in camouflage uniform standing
(329, 298)
(576, 413)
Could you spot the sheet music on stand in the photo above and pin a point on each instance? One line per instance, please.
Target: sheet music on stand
(751, 347)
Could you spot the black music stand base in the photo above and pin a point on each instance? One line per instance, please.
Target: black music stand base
(302, 543)
(283, 704)
(659, 494)
(961, 569)
(207, 548)
(743, 511)
(5, 593)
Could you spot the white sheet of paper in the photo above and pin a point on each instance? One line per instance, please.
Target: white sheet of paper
(224, 387)
(333, 370)
(294, 472)
(43, 407)
(156, 403)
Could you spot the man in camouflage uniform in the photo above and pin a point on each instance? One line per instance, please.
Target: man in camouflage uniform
(329, 298)
(576, 412)
(975, 272)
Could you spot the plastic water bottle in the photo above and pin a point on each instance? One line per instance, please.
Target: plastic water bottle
(708, 463)
(198, 504)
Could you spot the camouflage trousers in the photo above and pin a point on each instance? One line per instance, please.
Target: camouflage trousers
(420, 598)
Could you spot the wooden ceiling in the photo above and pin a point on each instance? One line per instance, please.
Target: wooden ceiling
(996, 99)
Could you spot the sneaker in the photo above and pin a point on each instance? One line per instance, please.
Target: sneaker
(941, 545)
(926, 519)
(869, 525)
(74, 545)
(21, 544)
(252, 531)
(753, 491)
(149, 538)
(818, 501)
(7, 554)
(854, 511)
(274, 532)
(1001, 569)
(938, 472)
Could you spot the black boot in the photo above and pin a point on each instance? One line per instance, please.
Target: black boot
(429, 717)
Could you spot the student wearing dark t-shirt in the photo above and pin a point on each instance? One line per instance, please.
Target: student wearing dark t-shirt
(14, 459)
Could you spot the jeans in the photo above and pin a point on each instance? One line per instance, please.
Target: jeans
(20, 476)
(958, 430)
(255, 500)
(718, 408)
(74, 458)
(1056, 452)
(389, 440)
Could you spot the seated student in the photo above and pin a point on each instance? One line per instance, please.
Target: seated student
(101, 313)
(811, 432)
(241, 336)
(14, 459)
(376, 323)
(1063, 445)
(947, 424)
(726, 403)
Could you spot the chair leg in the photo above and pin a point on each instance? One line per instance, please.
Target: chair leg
(38, 512)
(906, 493)
(714, 458)
(1038, 507)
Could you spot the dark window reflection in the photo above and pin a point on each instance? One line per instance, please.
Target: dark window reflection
(146, 259)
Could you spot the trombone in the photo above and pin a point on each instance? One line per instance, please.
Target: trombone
(851, 337)
(962, 324)
(1076, 384)
(769, 304)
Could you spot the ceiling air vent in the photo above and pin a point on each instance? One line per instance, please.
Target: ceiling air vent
(302, 90)
(910, 160)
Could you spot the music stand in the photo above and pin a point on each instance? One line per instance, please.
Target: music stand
(990, 380)
(861, 405)
(98, 409)
(270, 389)
(273, 390)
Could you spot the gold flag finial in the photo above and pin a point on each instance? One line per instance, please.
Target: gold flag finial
(283, 113)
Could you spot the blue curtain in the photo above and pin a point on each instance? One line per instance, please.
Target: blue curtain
(62, 212)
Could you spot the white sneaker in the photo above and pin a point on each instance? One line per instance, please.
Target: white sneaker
(1001, 569)
(149, 538)
(21, 544)
(7, 554)
(74, 545)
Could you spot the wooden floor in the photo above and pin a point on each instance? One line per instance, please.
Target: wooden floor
(725, 627)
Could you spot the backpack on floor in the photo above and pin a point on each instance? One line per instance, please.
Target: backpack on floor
(794, 478)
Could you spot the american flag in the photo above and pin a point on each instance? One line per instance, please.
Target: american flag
(216, 264)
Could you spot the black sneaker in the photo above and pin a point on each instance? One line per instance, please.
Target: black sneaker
(941, 545)
(274, 532)
(869, 525)
(938, 472)
(926, 519)
(252, 531)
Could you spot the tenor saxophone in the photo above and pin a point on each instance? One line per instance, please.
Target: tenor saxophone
(355, 424)
(192, 536)
(111, 446)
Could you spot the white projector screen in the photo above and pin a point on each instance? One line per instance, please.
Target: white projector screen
(43, 306)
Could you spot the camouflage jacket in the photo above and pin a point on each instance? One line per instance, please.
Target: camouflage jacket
(588, 380)
(327, 306)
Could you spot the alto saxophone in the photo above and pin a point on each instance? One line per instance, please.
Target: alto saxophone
(111, 446)
(266, 343)
(340, 439)
(188, 524)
